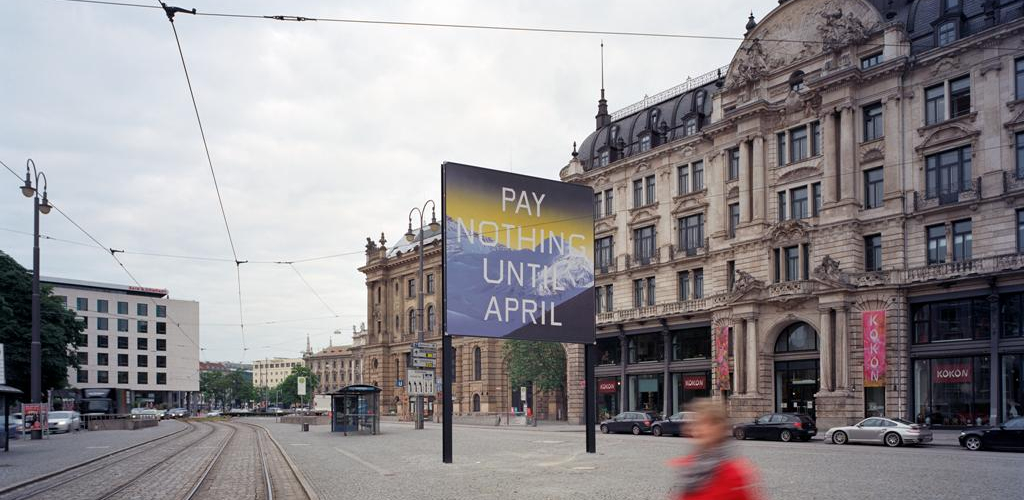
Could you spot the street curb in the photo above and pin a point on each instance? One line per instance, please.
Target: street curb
(58, 472)
(310, 492)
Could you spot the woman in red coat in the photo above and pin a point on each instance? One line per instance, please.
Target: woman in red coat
(713, 471)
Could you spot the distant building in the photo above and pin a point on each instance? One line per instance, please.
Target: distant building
(136, 340)
(226, 367)
(270, 372)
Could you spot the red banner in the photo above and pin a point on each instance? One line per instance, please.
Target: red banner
(695, 382)
(607, 386)
(722, 358)
(952, 373)
(874, 348)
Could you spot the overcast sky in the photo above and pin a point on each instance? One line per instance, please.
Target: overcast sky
(321, 133)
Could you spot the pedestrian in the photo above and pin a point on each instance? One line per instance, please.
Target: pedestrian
(713, 470)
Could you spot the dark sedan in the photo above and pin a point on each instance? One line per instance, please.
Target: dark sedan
(1009, 436)
(675, 425)
(781, 426)
(637, 422)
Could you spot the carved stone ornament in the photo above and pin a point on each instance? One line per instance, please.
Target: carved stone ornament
(798, 173)
(370, 245)
(828, 271)
(745, 283)
(787, 231)
(752, 66)
(840, 30)
(734, 192)
(688, 151)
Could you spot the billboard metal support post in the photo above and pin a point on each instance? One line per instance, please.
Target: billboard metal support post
(447, 370)
(590, 393)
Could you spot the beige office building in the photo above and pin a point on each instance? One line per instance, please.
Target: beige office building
(269, 372)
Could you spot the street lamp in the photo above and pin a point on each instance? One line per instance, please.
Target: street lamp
(31, 190)
(410, 237)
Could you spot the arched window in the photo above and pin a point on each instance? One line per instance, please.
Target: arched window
(477, 364)
(796, 338)
(690, 127)
(374, 367)
(412, 321)
(796, 81)
(398, 323)
(431, 318)
(476, 402)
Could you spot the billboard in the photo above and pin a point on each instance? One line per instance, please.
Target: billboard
(519, 256)
(722, 358)
(873, 323)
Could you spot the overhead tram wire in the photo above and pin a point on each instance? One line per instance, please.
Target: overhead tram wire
(322, 301)
(487, 27)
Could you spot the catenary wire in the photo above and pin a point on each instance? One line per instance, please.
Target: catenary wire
(311, 289)
(507, 28)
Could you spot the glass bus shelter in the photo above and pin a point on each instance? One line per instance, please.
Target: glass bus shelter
(356, 409)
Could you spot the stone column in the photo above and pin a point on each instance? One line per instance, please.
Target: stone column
(826, 349)
(739, 351)
(623, 355)
(758, 184)
(667, 396)
(575, 395)
(830, 171)
(847, 154)
(891, 173)
(996, 402)
(750, 336)
(842, 348)
(745, 181)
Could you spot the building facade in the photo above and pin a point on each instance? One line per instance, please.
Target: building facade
(136, 340)
(337, 366)
(795, 231)
(267, 373)
(480, 384)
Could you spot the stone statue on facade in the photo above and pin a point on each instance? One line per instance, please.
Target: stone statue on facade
(840, 30)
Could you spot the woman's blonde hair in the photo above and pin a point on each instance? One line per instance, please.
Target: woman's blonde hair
(712, 410)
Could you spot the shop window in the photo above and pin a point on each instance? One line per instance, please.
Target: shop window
(1012, 313)
(1013, 386)
(646, 392)
(609, 351)
(647, 347)
(952, 391)
(689, 386)
(963, 319)
(693, 343)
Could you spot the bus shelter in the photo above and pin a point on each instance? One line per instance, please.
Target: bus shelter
(7, 391)
(356, 409)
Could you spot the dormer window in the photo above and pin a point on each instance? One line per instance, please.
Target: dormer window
(654, 120)
(796, 81)
(699, 100)
(946, 33)
(602, 159)
(690, 127)
(645, 142)
(948, 5)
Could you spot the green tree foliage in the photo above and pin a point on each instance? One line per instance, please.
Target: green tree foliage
(542, 363)
(227, 389)
(59, 334)
(289, 387)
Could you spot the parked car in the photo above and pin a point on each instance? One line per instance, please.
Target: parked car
(213, 413)
(17, 422)
(1009, 436)
(273, 410)
(637, 422)
(781, 426)
(65, 421)
(889, 431)
(674, 425)
(177, 413)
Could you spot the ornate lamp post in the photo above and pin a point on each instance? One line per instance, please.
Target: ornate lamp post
(410, 237)
(31, 190)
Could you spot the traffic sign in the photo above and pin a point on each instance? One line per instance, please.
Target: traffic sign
(423, 353)
(399, 383)
(420, 383)
(424, 363)
(425, 345)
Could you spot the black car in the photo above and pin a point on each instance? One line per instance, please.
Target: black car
(675, 425)
(637, 422)
(1009, 436)
(782, 426)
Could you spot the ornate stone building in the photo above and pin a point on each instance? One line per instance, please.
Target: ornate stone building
(831, 177)
(337, 366)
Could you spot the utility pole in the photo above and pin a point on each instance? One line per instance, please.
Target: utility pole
(31, 190)
(409, 236)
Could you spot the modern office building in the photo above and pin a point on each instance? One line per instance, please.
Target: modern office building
(833, 223)
(137, 340)
(269, 372)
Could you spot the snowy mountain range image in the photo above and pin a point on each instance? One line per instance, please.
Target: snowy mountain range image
(560, 277)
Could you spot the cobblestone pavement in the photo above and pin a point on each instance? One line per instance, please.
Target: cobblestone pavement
(403, 463)
(285, 482)
(238, 471)
(28, 459)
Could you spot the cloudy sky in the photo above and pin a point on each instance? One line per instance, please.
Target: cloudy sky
(321, 133)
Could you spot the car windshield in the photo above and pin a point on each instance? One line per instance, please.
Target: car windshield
(60, 414)
(901, 421)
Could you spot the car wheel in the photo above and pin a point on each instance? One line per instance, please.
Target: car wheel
(656, 430)
(739, 434)
(893, 440)
(972, 443)
(604, 429)
(785, 436)
(839, 437)
(636, 430)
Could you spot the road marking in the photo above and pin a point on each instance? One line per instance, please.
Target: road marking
(364, 462)
(543, 441)
(298, 444)
(97, 447)
(584, 468)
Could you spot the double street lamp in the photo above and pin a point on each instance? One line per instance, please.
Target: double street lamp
(31, 190)
(411, 237)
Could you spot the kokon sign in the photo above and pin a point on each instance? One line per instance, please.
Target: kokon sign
(695, 382)
(952, 373)
(606, 387)
(874, 348)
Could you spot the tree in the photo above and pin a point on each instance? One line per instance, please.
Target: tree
(542, 363)
(289, 387)
(227, 388)
(60, 332)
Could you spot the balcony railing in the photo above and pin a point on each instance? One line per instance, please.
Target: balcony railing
(606, 267)
(938, 272)
(689, 251)
(948, 195)
(660, 310)
(640, 260)
(1013, 181)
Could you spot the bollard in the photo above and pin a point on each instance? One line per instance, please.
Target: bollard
(305, 427)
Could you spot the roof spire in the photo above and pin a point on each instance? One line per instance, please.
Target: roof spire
(309, 349)
(751, 23)
(603, 118)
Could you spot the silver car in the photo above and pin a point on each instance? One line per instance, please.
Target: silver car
(891, 432)
(65, 421)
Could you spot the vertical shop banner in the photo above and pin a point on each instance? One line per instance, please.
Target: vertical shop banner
(873, 323)
(722, 358)
(518, 260)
